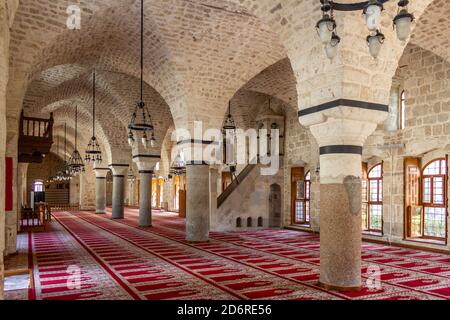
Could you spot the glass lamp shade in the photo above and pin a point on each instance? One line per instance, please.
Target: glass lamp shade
(402, 24)
(373, 15)
(325, 28)
(130, 138)
(153, 142)
(145, 141)
(332, 47)
(375, 42)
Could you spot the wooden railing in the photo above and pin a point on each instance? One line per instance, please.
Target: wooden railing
(35, 218)
(36, 127)
(64, 207)
(234, 184)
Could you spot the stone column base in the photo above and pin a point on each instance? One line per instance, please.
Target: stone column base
(330, 287)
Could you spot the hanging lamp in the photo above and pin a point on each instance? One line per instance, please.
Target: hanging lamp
(76, 163)
(229, 123)
(141, 125)
(93, 152)
(66, 169)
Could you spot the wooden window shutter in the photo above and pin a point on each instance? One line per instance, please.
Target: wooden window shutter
(412, 191)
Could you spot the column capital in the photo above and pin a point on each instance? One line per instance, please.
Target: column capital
(200, 152)
(337, 134)
(344, 109)
(146, 162)
(119, 169)
(101, 172)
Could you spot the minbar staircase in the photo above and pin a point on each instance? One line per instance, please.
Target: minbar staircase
(35, 138)
(236, 182)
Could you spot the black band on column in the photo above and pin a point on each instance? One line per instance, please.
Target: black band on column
(341, 149)
(147, 171)
(150, 156)
(100, 178)
(118, 176)
(344, 103)
(193, 141)
(197, 163)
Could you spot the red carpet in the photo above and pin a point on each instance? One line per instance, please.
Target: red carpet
(119, 260)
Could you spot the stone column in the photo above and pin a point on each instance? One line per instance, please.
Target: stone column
(197, 203)
(145, 198)
(100, 190)
(88, 189)
(213, 194)
(146, 164)
(341, 143)
(119, 175)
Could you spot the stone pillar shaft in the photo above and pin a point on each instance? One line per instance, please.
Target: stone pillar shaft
(197, 203)
(118, 194)
(100, 195)
(118, 197)
(340, 143)
(145, 198)
(146, 164)
(100, 201)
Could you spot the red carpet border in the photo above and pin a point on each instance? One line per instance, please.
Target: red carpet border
(119, 260)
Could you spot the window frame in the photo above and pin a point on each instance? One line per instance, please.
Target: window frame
(379, 199)
(402, 110)
(304, 201)
(431, 203)
(40, 183)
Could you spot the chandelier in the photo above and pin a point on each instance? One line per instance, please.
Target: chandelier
(178, 167)
(141, 121)
(63, 173)
(54, 177)
(228, 131)
(228, 125)
(372, 11)
(76, 164)
(93, 152)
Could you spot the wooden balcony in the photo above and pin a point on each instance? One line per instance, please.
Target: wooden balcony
(35, 138)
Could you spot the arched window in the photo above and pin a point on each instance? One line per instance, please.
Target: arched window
(301, 189)
(308, 196)
(372, 216)
(238, 223)
(38, 186)
(249, 222)
(402, 111)
(260, 222)
(434, 199)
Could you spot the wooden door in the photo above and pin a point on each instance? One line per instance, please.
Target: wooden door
(226, 180)
(182, 204)
(297, 195)
(412, 197)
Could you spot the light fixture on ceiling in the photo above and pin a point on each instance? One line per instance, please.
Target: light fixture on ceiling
(229, 132)
(372, 11)
(93, 152)
(178, 167)
(54, 177)
(63, 173)
(76, 163)
(229, 125)
(141, 120)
